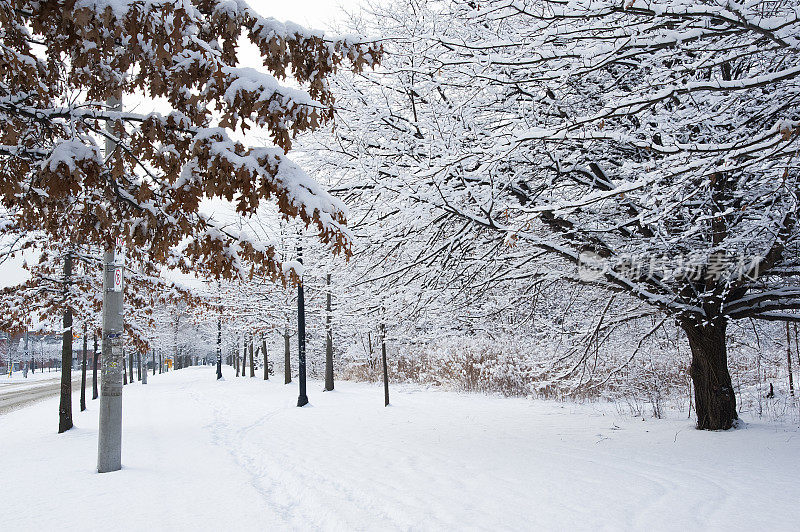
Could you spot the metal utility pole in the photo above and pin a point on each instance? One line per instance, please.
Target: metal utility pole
(109, 447)
(302, 399)
(328, 341)
(109, 442)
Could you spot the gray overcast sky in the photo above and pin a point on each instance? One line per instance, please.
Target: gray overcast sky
(314, 14)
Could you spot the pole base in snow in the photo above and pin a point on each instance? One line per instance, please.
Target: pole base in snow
(109, 451)
(302, 400)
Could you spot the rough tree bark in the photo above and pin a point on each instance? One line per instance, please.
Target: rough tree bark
(244, 355)
(94, 368)
(266, 357)
(287, 361)
(219, 348)
(236, 359)
(715, 402)
(83, 371)
(65, 404)
(385, 370)
(789, 359)
(26, 350)
(252, 365)
(328, 340)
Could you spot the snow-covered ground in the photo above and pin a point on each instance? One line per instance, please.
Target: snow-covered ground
(238, 455)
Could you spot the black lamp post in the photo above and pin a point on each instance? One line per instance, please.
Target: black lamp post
(302, 399)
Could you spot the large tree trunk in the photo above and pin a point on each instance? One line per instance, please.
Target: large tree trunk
(715, 402)
(65, 405)
(130, 367)
(124, 369)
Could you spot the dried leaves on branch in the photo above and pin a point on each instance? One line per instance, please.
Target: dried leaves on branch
(39, 302)
(61, 61)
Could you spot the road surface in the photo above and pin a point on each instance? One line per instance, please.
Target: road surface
(17, 395)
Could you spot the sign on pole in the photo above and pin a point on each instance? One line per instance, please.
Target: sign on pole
(119, 252)
(117, 287)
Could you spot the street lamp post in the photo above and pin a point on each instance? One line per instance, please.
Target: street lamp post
(302, 399)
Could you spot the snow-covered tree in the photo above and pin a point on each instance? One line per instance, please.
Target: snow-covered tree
(66, 65)
(640, 148)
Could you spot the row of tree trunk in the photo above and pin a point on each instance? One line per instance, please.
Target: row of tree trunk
(287, 368)
(249, 348)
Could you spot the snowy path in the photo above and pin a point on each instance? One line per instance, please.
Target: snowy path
(238, 454)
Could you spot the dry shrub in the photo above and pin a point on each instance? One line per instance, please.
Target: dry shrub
(654, 381)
